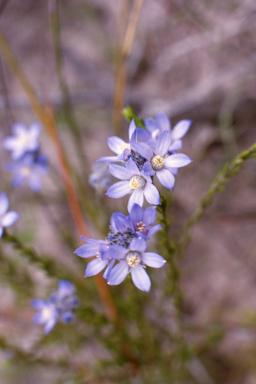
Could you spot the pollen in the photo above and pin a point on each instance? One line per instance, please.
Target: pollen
(137, 182)
(140, 227)
(157, 162)
(124, 146)
(133, 259)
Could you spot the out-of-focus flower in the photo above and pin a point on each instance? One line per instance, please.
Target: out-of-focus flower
(100, 178)
(162, 123)
(23, 140)
(134, 260)
(6, 218)
(160, 162)
(61, 304)
(28, 170)
(134, 181)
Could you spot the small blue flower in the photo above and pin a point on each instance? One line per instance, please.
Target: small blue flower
(61, 304)
(134, 260)
(136, 182)
(100, 178)
(143, 220)
(6, 218)
(120, 147)
(159, 161)
(23, 140)
(29, 169)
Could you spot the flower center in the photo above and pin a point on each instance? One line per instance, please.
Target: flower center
(137, 182)
(25, 171)
(140, 227)
(138, 159)
(157, 162)
(133, 259)
(119, 238)
(124, 146)
(23, 140)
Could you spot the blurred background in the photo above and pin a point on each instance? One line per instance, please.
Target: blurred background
(192, 59)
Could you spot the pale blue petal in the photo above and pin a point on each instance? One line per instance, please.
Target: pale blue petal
(117, 252)
(177, 160)
(4, 203)
(175, 146)
(88, 240)
(35, 183)
(1, 232)
(67, 316)
(118, 273)
(39, 304)
(162, 143)
(119, 222)
(151, 194)
(19, 129)
(144, 150)
(87, 250)
(9, 218)
(150, 125)
(136, 214)
(108, 159)
(174, 171)
(166, 178)
(95, 266)
(65, 287)
(149, 216)
(49, 325)
(153, 259)
(118, 171)
(119, 189)
(137, 197)
(116, 144)
(140, 278)
(162, 121)
(143, 135)
(181, 129)
(154, 229)
(147, 169)
(132, 128)
(138, 244)
(132, 168)
(108, 269)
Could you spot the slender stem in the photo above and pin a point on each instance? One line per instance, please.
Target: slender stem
(229, 170)
(122, 70)
(46, 116)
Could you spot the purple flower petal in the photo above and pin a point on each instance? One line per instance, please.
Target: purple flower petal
(163, 121)
(140, 278)
(95, 266)
(118, 273)
(117, 252)
(162, 143)
(119, 222)
(108, 269)
(150, 125)
(9, 218)
(118, 171)
(175, 145)
(181, 129)
(116, 144)
(144, 150)
(166, 178)
(136, 213)
(4, 203)
(87, 250)
(151, 194)
(108, 159)
(177, 160)
(142, 134)
(138, 244)
(149, 216)
(1, 232)
(65, 287)
(119, 189)
(147, 168)
(137, 197)
(154, 229)
(39, 304)
(132, 168)
(153, 259)
(87, 240)
(35, 183)
(132, 128)
(50, 324)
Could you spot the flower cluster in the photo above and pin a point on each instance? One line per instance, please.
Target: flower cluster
(6, 218)
(150, 152)
(61, 304)
(28, 163)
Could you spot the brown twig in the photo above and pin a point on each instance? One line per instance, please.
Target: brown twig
(122, 69)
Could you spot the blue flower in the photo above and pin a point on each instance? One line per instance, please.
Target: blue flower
(162, 123)
(23, 140)
(142, 221)
(100, 178)
(134, 260)
(120, 147)
(29, 169)
(61, 304)
(159, 161)
(136, 182)
(6, 218)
